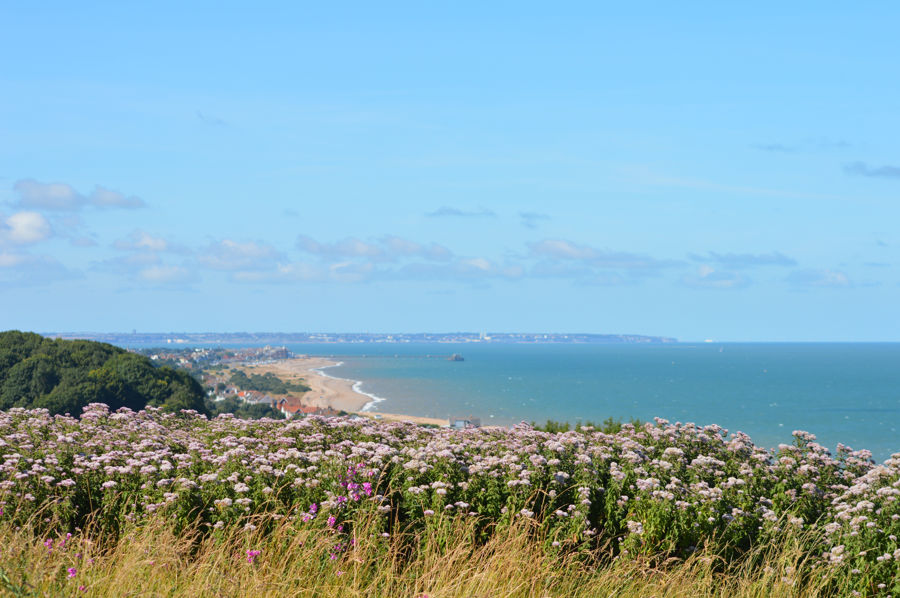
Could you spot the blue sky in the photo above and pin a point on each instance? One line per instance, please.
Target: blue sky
(698, 170)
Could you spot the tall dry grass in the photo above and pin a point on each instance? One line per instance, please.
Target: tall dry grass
(154, 560)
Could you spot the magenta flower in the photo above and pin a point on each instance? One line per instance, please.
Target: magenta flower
(251, 555)
(72, 571)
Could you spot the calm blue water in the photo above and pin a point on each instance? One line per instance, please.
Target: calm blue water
(847, 393)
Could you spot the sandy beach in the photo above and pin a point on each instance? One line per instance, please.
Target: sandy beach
(336, 393)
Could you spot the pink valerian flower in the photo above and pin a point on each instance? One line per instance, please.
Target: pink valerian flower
(72, 571)
(251, 555)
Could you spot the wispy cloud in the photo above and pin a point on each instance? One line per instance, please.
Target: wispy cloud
(461, 269)
(211, 120)
(809, 144)
(450, 212)
(744, 260)
(559, 249)
(167, 274)
(822, 278)
(84, 241)
(606, 279)
(707, 277)
(233, 256)
(863, 169)
(284, 273)
(350, 247)
(775, 147)
(148, 268)
(63, 197)
(400, 247)
(385, 258)
(532, 219)
(826, 143)
(18, 269)
(387, 248)
(139, 240)
(647, 177)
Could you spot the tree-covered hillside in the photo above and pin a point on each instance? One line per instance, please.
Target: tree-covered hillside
(64, 376)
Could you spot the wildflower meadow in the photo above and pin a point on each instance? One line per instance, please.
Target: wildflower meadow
(341, 495)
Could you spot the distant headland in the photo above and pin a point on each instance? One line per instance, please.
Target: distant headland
(191, 338)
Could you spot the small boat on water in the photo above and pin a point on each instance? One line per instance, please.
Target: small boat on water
(456, 357)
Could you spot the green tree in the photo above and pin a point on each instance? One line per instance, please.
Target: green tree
(63, 376)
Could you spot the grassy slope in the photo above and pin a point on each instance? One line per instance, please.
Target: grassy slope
(151, 560)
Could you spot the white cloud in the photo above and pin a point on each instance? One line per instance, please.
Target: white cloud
(102, 197)
(388, 248)
(147, 268)
(23, 228)
(811, 277)
(745, 260)
(462, 269)
(234, 256)
(351, 271)
(290, 272)
(63, 197)
(140, 240)
(47, 196)
(707, 277)
(400, 247)
(24, 269)
(166, 275)
(11, 260)
(356, 248)
(479, 263)
(560, 249)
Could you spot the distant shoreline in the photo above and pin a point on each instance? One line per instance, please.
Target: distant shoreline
(340, 394)
(161, 339)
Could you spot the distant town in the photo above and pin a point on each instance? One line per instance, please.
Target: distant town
(280, 338)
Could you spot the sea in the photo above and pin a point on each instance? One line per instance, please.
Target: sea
(842, 393)
(845, 393)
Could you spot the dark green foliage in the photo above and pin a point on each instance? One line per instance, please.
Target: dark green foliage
(267, 382)
(608, 426)
(63, 376)
(242, 410)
